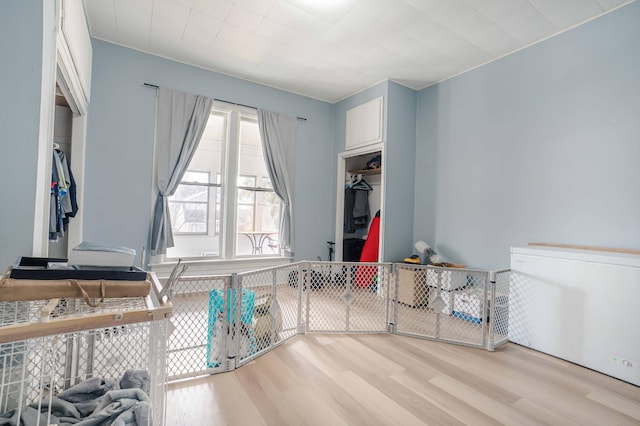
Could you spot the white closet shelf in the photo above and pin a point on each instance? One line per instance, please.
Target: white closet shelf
(366, 171)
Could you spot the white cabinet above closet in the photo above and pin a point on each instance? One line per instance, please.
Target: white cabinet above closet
(74, 54)
(364, 124)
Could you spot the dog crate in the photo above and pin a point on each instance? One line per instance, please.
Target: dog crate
(63, 361)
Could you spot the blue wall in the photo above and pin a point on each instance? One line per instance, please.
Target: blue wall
(120, 134)
(20, 86)
(542, 145)
(399, 172)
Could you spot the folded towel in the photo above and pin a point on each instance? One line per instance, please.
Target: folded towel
(88, 390)
(121, 407)
(92, 402)
(136, 379)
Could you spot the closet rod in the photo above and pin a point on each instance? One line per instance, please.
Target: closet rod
(222, 100)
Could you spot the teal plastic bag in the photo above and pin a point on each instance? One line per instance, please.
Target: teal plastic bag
(218, 334)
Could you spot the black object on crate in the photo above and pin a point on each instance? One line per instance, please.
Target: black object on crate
(49, 268)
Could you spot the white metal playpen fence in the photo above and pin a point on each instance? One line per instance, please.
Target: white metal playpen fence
(223, 322)
(60, 358)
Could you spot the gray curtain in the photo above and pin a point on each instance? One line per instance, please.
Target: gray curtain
(182, 118)
(278, 134)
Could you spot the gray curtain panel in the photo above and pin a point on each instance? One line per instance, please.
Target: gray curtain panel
(278, 134)
(181, 120)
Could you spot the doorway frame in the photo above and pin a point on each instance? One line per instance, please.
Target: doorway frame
(340, 180)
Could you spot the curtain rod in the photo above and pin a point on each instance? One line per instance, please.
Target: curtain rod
(222, 100)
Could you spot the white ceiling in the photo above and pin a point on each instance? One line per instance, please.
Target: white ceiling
(331, 49)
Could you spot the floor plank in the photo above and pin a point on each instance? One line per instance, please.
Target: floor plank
(363, 379)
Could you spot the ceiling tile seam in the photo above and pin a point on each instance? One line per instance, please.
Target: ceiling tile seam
(256, 64)
(260, 83)
(530, 44)
(148, 41)
(115, 18)
(544, 16)
(191, 9)
(467, 39)
(153, 8)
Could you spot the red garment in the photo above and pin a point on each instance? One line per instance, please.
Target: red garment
(366, 274)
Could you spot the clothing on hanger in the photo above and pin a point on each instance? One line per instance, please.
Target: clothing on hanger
(360, 210)
(63, 202)
(356, 204)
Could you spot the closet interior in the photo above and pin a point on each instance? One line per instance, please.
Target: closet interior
(362, 203)
(61, 214)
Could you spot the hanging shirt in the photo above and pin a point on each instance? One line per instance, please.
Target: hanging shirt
(360, 210)
(63, 203)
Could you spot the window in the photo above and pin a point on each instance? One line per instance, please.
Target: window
(189, 206)
(246, 203)
(225, 205)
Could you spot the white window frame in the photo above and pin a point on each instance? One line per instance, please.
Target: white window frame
(229, 193)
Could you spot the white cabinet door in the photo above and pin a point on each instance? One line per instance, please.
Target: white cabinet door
(75, 54)
(364, 124)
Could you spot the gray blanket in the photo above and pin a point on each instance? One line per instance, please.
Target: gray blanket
(94, 402)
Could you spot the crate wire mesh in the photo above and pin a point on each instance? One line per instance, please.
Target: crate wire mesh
(238, 317)
(48, 359)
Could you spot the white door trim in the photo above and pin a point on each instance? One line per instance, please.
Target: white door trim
(340, 180)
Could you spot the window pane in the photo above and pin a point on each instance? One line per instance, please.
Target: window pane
(191, 193)
(264, 213)
(268, 212)
(244, 180)
(251, 158)
(193, 176)
(266, 183)
(188, 217)
(262, 238)
(246, 196)
(196, 210)
(245, 218)
(207, 162)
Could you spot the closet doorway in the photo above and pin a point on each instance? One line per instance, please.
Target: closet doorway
(69, 137)
(62, 128)
(361, 169)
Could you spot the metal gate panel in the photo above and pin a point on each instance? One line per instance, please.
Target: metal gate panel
(276, 310)
(197, 334)
(345, 297)
(499, 309)
(445, 304)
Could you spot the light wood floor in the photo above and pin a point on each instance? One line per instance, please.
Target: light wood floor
(393, 380)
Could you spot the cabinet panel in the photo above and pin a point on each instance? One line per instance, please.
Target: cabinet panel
(364, 124)
(75, 55)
